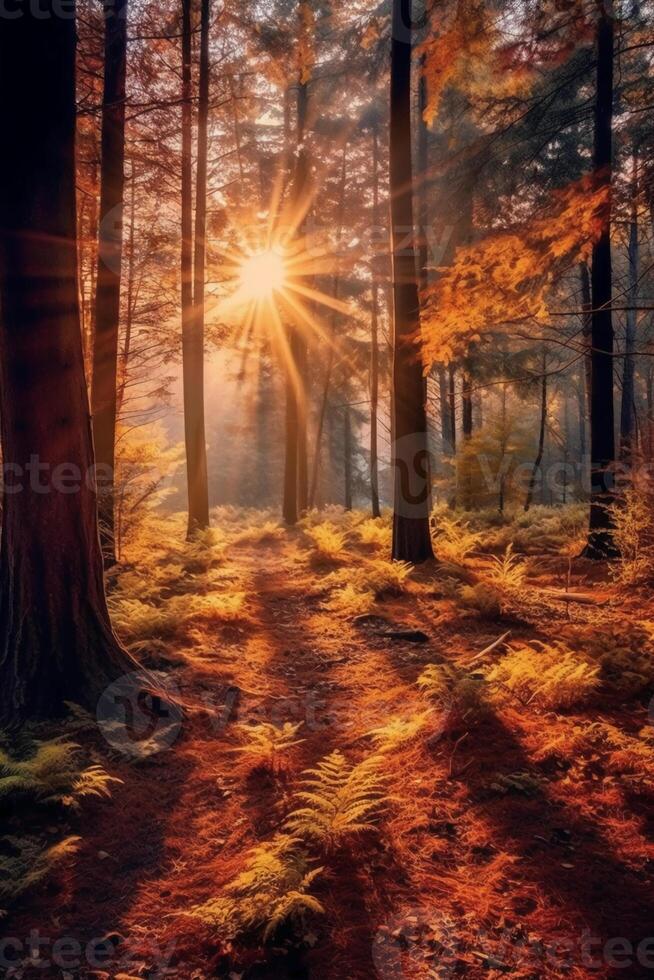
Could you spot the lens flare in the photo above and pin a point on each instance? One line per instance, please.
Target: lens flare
(262, 274)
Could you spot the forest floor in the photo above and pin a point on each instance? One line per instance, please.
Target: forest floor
(513, 831)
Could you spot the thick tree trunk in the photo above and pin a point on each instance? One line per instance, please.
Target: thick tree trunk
(110, 253)
(411, 534)
(192, 293)
(56, 641)
(541, 436)
(600, 539)
(627, 413)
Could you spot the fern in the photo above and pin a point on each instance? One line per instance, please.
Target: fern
(507, 573)
(625, 655)
(52, 774)
(327, 541)
(376, 533)
(483, 598)
(351, 600)
(454, 541)
(27, 863)
(398, 731)
(267, 743)
(462, 694)
(549, 675)
(272, 891)
(339, 800)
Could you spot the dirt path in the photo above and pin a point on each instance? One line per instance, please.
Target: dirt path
(466, 875)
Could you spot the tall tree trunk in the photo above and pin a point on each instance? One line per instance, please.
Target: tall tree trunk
(465, 482)
(129, 302)
(411, 533)
(347, 453)
(110, 253)
(56, 642)
(649, 382)
(600, 538)
(296, 483)
(444, 401)
(627, 414)
(541, 435)
(452, 391)
(324, 401)
(587, 330)
(193, 287)
(374, 338)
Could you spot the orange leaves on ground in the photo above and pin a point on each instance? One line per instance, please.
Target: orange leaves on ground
(507, 276)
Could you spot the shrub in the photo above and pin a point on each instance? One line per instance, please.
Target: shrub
(633, 517)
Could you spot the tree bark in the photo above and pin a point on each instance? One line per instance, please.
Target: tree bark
(600, 538)
(193, 284)
(452, 389)
(541, 436)
(347, 452)
(324, 401)
(627, 414)
(296, 482)
(56, 641)
(129, 304)
(374, 338)
(411, 533)
(110, 253)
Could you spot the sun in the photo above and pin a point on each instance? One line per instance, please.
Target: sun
(262, 274)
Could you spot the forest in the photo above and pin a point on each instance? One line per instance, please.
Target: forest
(327, 512)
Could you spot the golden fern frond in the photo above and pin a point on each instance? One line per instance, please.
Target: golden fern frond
(340, 799)
(549, 675)
(29, 863)
(266, 742)
(273, 890)
(52, 774)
